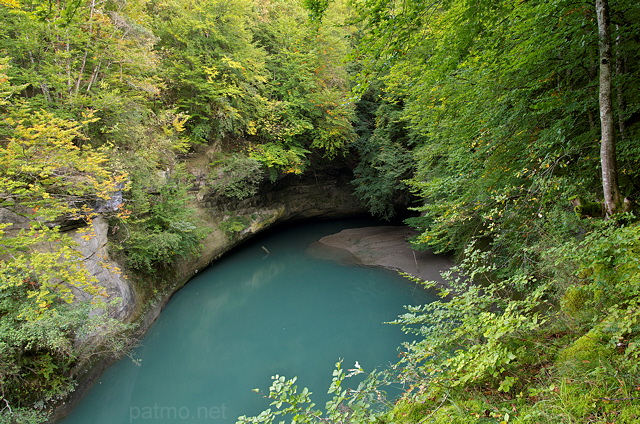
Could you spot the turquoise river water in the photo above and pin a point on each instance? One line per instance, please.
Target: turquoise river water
(249, 316)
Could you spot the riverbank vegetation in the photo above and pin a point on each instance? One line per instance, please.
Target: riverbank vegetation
(500, 119)
(509, 129)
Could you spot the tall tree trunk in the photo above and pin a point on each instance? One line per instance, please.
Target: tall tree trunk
(612, 198)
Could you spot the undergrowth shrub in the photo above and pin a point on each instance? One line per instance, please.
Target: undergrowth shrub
(598, 369)
(608, 289)
(478, 335)
(164, 230)
(237, 176)
(234, 224)
(513, 347)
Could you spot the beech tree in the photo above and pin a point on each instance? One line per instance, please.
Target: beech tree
(610, 188)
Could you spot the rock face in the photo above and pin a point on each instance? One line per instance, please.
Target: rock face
(97, 260)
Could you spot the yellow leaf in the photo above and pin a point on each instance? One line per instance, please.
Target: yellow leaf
(10, 3)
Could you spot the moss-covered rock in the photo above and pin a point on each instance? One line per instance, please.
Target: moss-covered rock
(586, 352)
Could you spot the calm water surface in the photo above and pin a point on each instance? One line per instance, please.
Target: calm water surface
(246, 318)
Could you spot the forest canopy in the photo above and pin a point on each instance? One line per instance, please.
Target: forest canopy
(507, 130)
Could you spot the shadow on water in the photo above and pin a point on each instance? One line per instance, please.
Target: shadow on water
(251, 315)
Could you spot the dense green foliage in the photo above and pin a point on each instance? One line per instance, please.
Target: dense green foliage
(488, 112)
(256, 70)
(483, 117)
(384, 154)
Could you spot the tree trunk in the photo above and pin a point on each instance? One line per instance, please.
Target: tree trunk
(612, 198)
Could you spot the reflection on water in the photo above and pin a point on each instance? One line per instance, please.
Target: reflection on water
(248, 317)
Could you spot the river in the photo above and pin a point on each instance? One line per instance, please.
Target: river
(266, 308)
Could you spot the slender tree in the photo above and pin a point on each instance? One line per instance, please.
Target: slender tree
(612, 197)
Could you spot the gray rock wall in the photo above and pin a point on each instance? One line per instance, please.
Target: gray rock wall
(95, 253)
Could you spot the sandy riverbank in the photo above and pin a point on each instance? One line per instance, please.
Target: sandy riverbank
(384, 246)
